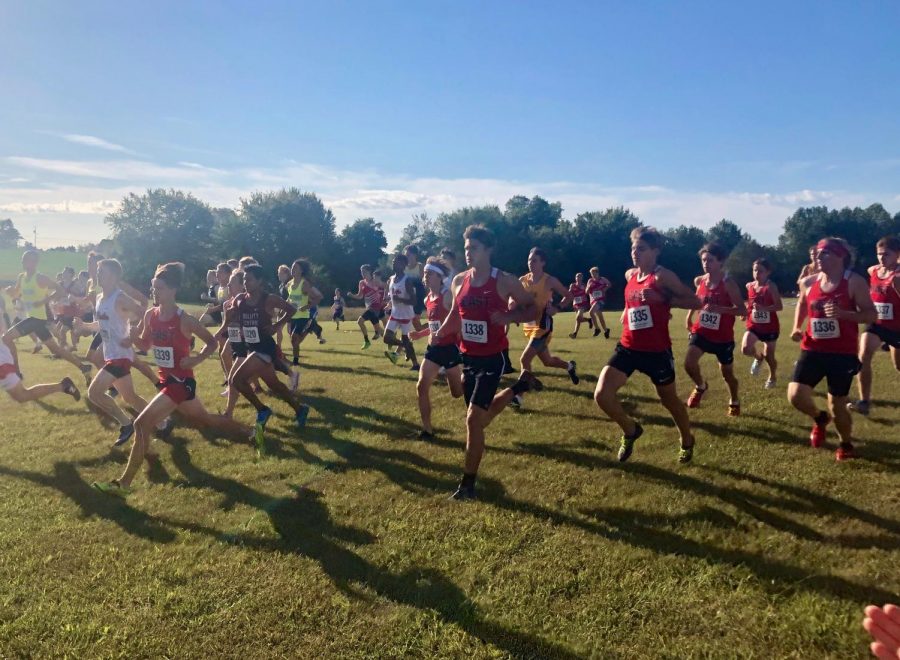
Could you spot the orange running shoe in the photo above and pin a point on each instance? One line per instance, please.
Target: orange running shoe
(734, 410)
(845, 452)
(817, 435)
(694, 399)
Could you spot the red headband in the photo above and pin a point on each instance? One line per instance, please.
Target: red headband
(835, 247)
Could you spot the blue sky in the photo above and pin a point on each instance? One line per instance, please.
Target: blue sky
(686, 112)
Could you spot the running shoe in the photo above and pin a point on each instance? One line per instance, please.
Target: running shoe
(321, 341)
(517, 402)
(391, 356)
(734, 409)
(86, 371)
(166, 429)
(771, 384)
(627, 445)
(606, 334)
(818, 432)
(113, 392)
(426, 436)
(596, 331)
(572, 335)
(302, 414)
(755, 367)
(572, 373)
(861, 407)
(125, 432)
(534, 385)
(685, 454)
(464, 493)
(295, 380)
(366, 345)
(113, 488)
(259, 430)
(415, 367)
(68, 387)
(694, 399)
(508, 369)
(845, 452)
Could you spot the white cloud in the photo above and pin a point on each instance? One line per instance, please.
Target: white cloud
(94, 141)
(136, 171)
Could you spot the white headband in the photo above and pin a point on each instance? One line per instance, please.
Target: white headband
(434, 269)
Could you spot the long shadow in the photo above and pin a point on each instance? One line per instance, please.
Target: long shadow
(304, 526)
(409, 377)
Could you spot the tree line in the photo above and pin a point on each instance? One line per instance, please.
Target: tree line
(279, 226)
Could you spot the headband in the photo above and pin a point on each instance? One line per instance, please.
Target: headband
(835, 247)
(434, 269)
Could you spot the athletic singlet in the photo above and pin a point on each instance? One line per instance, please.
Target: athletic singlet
(414, 272)
(542, 293)
(758, 320)
(371, 296)
(715, 326)
(579, 296)
(886, 299)
(596, 289)
(7, 367)
(255, 320)
(298, 299)
(32, 296)
(113, 327)
(170, 345)
(646, 323)
(234, 325)
(480, 337)
(436, 313)
(68, 306)
(397, 288)
(338, 303)
(830, 335)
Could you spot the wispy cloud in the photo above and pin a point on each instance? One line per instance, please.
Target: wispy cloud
(94, 141)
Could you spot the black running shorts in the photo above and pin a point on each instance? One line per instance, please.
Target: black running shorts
(838, 369)
(659, 366)
(886, 335)
(724, 351)
(447, 356)
(32, 326)
(765, 337)
(481, 378)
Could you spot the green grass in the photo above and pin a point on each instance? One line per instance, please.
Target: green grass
(343, 544)
(52, 262)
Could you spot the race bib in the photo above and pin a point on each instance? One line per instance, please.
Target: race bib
(760, 316)
(579, 300)
(251, 334)
(596, 295)
(885, 311)
(825, 328)
(710, 320)
(234, 335)
(434, 326)
(639, 318)
(164, 356)
(475, 331)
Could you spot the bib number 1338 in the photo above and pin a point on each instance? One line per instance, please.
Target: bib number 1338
(475, 331)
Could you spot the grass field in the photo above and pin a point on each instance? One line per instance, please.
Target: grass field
(52, 262)
(342, 543)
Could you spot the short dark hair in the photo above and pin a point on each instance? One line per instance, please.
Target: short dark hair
(481, 234)
(538, 252)
(648, 235)
(437, 262)
(171, 273)
(412, 247)
(714, 248)
(765, 263)
(891, 243)
(256, 270)
(304, 267)
(447, 253)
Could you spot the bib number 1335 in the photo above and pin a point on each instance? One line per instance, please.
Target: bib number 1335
(639, 318)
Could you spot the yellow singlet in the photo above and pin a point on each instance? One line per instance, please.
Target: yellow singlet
(298, 299)
(541, 325)
(32, 295)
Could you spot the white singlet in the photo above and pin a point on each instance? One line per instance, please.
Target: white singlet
(113, 327)
(397, 289)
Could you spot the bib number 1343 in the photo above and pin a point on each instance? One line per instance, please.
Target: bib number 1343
(475, 331)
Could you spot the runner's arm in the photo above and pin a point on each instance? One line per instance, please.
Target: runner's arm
(800, 312)
(140, 333)
(359, 293)
(737, 307)
(191, 326)
(865, 308)
(777, 305)
(276, 303)
(679, 294)
(567, 297)
(523, 308)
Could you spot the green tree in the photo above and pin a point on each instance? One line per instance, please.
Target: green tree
(162, 226)
(9, 235)
(361, 242)
(680, 252)
(726, 233)
(422, 231)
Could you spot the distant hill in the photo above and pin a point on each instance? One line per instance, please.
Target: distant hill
(52, 262)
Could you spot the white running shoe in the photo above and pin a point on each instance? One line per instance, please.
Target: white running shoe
(771, 384)
(755, 367)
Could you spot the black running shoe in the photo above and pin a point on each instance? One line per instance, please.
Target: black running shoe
(463, 493)
(425, 436)
(596, 331)
(69, 388)
(533, 383)
(606, 334)
(166, 430)
(572, 373)
(125, 432)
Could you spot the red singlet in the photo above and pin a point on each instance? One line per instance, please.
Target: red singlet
(646, 324)
(480, 337)
(371, 295)
(596, 289)
(436, 313)
(579, 295)
(886, 299)
(759, 321)
(825, 335)
(170, 345)
(715, 326)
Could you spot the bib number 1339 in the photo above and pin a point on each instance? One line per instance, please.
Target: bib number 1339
(164, 356)
(475, 331)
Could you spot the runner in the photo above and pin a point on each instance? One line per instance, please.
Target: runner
(314, 326)
(415, 272)
(763, 305)
(650, 293)
(113, 313)
(539, 329)
(479, 314)
(167, 330)
(811, 268)
(209, 297)
(302, 295)
(67, 307)
(833, 303)
(235, 348)
(448, 256)
(35, 290)
(255, 310)
(337, 309)
(596, 288)
(884, 289)
(713, 331)
(580, 303)
(402, 294)
(11, 378)
(284, 277)
(441, 354)
(372, 296)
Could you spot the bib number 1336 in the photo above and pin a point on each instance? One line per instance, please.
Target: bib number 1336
(825, 329)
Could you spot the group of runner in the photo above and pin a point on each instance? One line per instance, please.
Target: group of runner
(467, 317)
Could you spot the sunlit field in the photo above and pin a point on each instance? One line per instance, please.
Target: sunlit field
(341, 542)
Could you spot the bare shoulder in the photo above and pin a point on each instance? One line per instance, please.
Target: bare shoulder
(629, 273)
(807, 281)
(697, 280)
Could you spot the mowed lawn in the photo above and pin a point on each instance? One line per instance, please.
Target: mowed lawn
(342, 542)
(52, 262)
